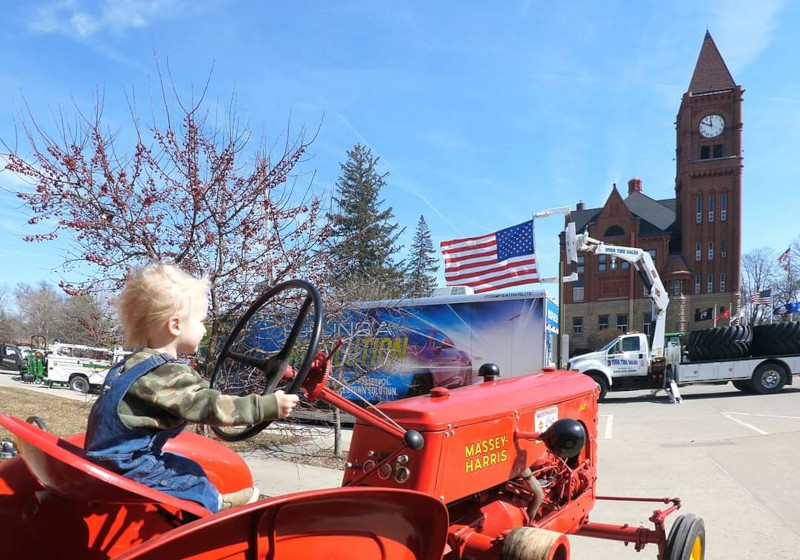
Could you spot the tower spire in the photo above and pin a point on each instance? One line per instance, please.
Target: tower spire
(710, 72)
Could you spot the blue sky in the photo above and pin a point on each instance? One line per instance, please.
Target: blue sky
(483, 113)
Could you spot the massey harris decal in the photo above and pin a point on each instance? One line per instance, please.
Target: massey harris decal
(545, 418)
(485, 453)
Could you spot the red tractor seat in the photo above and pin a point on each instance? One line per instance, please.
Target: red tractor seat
(59, 466)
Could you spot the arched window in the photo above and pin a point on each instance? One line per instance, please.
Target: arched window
(614, 231)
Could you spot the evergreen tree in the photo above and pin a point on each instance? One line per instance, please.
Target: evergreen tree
(422, 267)
(364, 235)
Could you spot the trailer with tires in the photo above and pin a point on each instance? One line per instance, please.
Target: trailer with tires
(760, 359)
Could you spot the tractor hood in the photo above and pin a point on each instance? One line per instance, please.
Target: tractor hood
(487, 401)
(475, 437)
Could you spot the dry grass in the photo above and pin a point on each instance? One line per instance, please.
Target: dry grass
(67, 416)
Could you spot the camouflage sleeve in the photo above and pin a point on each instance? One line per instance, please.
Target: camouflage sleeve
(178, 391)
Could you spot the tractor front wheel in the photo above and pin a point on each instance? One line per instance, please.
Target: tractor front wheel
(533, 543)
(687, 539)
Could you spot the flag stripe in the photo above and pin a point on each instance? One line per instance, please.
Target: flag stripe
(488, 246)
(461, 257)
(493, 273)
(472, 263)
(479, 266)
(506, 278)
(476, 267)
(479, 290)
(454, 244)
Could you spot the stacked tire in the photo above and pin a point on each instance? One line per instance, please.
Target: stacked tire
(777, 339)
(720, 343)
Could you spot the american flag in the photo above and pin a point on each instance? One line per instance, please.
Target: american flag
(764, 297)
(492, 261)
(785, 258)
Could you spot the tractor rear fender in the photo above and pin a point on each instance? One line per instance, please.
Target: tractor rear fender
(341, 523)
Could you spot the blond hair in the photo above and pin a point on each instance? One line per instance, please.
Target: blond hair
(152, 295)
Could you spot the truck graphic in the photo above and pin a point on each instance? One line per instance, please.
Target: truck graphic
(400, 348)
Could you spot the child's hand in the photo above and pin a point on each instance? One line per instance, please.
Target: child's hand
(286, 403)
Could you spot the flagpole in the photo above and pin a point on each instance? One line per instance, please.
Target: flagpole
(789, 279)
(565, 210)
(770, 308)
(714, 324)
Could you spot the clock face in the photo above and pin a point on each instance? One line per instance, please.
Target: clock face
(711, 126)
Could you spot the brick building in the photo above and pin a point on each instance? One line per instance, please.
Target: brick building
(694, 238)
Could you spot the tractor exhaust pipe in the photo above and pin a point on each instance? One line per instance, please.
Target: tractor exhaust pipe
(536, 488)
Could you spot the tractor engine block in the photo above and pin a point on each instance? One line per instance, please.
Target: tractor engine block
(489, 454)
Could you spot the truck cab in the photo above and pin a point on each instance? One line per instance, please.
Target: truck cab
(625, 363)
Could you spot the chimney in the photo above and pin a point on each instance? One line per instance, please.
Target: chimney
(580, 206)
(635, 184)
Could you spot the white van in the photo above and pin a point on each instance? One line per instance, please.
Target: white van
(80, 367)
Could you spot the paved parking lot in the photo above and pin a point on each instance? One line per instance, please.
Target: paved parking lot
(733, 459)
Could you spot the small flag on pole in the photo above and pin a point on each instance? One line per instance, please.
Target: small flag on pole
(492, 261)
(785, 258)
(704, 314)
(724, 315)
(787, 309)
(764, 297)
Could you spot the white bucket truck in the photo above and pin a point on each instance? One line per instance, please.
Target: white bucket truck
(715, 355)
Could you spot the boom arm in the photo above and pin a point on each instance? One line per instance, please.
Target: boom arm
(644, 266)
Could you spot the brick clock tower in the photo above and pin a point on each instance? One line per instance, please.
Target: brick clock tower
(708, 181)
(694, 238)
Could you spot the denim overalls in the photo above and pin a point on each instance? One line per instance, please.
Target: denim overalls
(136, 453)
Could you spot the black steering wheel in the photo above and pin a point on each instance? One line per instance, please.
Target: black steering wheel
(270, 365)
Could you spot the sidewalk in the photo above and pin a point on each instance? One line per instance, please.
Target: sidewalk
(277, 472)
(11, 379)
(275, 477)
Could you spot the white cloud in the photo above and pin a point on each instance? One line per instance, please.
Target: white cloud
(743, 29)
(83, 18)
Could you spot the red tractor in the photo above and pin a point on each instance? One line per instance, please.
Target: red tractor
(503, 470)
